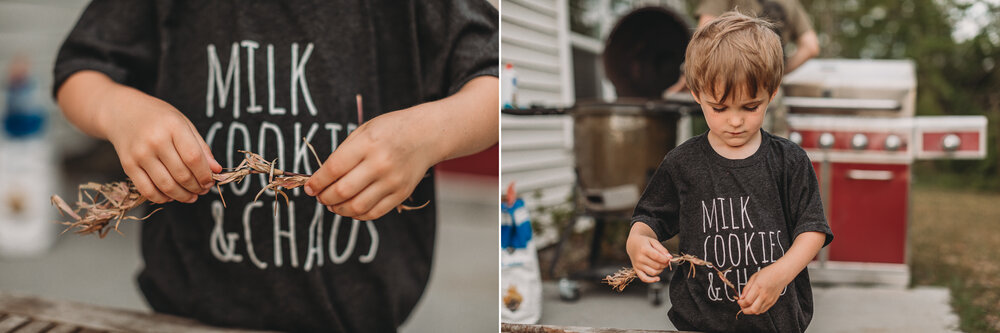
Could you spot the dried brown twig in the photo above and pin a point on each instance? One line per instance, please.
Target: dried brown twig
(107, 202)
(624, 276)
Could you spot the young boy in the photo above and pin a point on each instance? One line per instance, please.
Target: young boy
(172, 84)
(739, 197)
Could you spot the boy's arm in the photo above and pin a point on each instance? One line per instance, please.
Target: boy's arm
(764, 287)
(648, 256)
(655, 218)
(383, 160)
(159, 149)
(806, 42)
(468, 121)
(806, 47)
(107, 61)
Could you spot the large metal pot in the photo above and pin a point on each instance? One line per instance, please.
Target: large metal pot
(618, 146)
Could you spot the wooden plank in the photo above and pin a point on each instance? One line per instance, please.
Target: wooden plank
(528, 33)
(533, 140)
(547, 8)
(528, 18)
(100, 318)
(527, 98)
(88, 330)
(11, 321)
(530, 84)
(531, 144)
(541, 77)
(527, 42)
(528, 56)
(532, 64)
(63, 328)
(36, 326)
(530, 181)
(517, 161)
(523, 328)
(554, 122)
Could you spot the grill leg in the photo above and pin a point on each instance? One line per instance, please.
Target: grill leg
(595, 243)
(559, 246)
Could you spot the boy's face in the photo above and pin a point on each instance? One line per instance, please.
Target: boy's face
(737, 120)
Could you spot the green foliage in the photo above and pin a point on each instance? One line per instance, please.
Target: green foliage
(957, 74)
(549, 216)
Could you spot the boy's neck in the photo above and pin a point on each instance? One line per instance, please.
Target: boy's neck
(735, 153)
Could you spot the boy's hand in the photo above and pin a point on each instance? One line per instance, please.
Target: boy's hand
(763, 290)
(377, 166)
(764, 287)
(648, 256)
(383, 160)
(160, 150)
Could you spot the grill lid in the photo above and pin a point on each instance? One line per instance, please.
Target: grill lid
(884, 88)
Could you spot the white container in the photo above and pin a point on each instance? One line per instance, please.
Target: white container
(27, 168)
(508, 91)
(27, 179)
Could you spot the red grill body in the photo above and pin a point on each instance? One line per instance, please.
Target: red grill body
(869, 216)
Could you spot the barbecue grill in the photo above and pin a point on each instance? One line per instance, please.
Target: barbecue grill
(855, 119)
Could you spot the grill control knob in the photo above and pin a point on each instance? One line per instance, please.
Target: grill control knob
(795, 137)
(859, 141)
(951, 142)
(893, 142)
(826, 140)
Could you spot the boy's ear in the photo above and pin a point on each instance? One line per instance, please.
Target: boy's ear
(696, 100)
(773, 93)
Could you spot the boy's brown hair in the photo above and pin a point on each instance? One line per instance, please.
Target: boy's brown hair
(734, 50)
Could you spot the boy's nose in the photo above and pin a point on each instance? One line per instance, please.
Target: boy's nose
(735, 121)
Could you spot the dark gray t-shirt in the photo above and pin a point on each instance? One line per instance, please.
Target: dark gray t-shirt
(260, 76)
(739, 214)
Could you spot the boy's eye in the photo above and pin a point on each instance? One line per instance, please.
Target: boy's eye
(751, 108)
(719, 109)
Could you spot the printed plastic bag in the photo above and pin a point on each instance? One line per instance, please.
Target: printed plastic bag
(520, 278)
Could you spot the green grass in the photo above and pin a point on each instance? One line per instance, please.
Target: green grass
(955, 243)
(958, 175)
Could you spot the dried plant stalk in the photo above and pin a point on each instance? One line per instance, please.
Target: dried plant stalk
(620, 279)
(624, 276)
(105, 202)
(110, 202)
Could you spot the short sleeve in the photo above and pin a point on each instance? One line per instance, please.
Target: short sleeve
(713, 7)
(805, 206)
(459, 40)
(117, 38)
(800, 22)
(659, 204)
